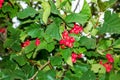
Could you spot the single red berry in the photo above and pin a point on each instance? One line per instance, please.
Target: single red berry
(79, 56)
(108, 67)
(66, 42)
(1, 2)
(70, 45)
(71, 31)
(73, 60)
(101, 62)
(26, 43)
(66, 37)
(80, 29)
(76, 25)
(65, 33)
(74, 55)
(108, 55)
(72, 39)
(62, 46)
(62, 41)
(109, 58)
(37, 41)
(2, 30)
(76, 31)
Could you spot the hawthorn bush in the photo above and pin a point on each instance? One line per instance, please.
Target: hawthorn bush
(56, 40)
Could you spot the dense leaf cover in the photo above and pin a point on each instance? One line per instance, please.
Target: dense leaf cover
(46, 40)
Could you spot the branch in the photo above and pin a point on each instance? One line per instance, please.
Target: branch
(47, 63)
(76, 5)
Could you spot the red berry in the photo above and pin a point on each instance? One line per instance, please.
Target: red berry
(108, 67)
(109, 58)
(74, 55)
(62, 41)
(65, 33)
(2, 30)
(66, 37)
(26, 43)
(62, 46)
(101, 62)
(71, 31)
(72, 39)
(108, 55)
(37, 42)
(1, 2)
(73, 60)
(76, 25)
(70, 45)
(79, 56)
(80, 29)
(67, 42)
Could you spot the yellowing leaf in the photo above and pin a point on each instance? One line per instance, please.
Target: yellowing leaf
(46, 13)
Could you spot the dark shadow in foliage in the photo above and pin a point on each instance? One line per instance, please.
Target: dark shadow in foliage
(42, 55)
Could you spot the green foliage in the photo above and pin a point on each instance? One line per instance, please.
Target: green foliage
(81, 17)
(31, 46)
(89, 43)
(111, 23)
(28, 12)
(53, 31)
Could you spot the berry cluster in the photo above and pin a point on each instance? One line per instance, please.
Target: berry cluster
(108, 65)
(1, 2)
(27, 42)
(75, 56)
(66, 40)
(76, 29)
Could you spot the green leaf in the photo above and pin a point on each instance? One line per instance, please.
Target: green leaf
(104, 44)
(49, 75)
(50, 47)
(66, 54)
(46, 13)
(116, 44)
(111, 23)
(42, 45)
(89, 75)
(13, 44)
(104, 5)
(54, 10)
(114, 75)
(21, 60)
(91, 54)
(81, 68)
(96, 67)
(81, 17)
(56, 61)
(30, 47)
(89, 43)
(34, 30)
(28, 12)
(53, 31)
(7, 8)
(28, 70)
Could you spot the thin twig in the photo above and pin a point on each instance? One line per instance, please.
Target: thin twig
(32, 78)
(76, 5)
